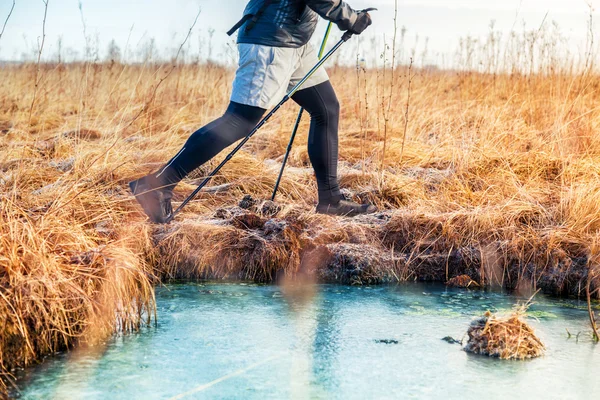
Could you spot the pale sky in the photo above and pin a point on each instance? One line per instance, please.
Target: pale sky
(135, 22)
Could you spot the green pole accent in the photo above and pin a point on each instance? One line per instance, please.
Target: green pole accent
(325, 39)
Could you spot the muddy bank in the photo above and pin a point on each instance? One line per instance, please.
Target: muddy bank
(263, 242)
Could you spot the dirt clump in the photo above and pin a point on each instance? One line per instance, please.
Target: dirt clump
(266, 208)
(83, 134)
(248, 202)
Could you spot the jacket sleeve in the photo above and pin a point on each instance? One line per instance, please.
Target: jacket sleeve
(336, 11)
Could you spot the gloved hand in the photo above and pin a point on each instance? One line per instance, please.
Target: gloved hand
(362, 23)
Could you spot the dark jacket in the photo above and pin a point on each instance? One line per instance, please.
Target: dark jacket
(291, 23)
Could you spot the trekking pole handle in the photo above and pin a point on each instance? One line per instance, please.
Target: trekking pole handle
(348, 35)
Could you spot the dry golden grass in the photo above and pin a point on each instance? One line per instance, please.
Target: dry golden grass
(506, 337)
(506, 167)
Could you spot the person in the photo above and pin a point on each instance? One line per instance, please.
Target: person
(274, 55)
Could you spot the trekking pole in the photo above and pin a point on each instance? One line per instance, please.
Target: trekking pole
(297, 125)
(347, 36)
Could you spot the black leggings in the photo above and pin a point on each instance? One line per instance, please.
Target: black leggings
(321, 103)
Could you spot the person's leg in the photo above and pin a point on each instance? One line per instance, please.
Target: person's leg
(321, 103)
(260, 82)
(154, 191)
(210, 140)
(319, 99)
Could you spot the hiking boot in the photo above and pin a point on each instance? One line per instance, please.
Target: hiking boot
(154, 199)
(346, 209)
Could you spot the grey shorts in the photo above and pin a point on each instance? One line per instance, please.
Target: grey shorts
(265, 74)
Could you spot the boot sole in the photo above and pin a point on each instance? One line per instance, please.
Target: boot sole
(349, 214)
